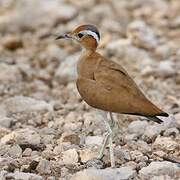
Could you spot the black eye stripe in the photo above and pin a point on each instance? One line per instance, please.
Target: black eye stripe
(93, 29)
(80, 35)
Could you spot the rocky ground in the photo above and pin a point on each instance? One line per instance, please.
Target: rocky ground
(46, 130)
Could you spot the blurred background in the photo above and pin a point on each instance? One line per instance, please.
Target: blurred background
(39, 102)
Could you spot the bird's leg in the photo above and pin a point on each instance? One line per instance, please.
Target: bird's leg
(103, 145)
(108, 137)
(111, 151)
(112, 120)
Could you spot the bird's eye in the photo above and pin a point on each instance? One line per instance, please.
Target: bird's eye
(80, 35)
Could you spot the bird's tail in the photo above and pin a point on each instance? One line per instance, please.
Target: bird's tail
(155, 119)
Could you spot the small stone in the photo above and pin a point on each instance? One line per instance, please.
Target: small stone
(44, 167)
(55, 52)
(5, 121)
(171, 132)
(19, 104)
(70, 137)
(22, 175)
(163, 51)
(105, 174)
(138, 156)
(87, 154)
(177, 119)
(22, 136)
(27, 152)
(165, 69)
(4, 131)
(58, 149)
(66, 72)
(9, 74)
(137, 127)
(12, 42)
(15, 151)
(159, 168)
(151, 132)
(165, 143)
(122, 153)
(70, 157)
(94, 140)
(141, 35)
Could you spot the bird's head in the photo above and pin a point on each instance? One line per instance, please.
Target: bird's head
(87, 35)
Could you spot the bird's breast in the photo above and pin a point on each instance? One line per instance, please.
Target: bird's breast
(86, 67)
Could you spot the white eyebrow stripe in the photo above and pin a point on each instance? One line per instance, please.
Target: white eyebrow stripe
(93, 34)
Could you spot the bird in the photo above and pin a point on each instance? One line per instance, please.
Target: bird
(106, 85)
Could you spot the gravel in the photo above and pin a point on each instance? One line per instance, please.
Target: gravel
(46, 130)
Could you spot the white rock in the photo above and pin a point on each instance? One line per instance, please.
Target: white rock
(70, 157)
(138, 156)
(12, 42)
(15, 151)
(19, 104)
(124, 50)
(9, 73)
(177, 119)
(162, 177)
(166, 143)
(45, 13)
(94, 140)
(159, 168)
(163, 51)
(22, 176)
(171, 132)
(55, 52)
(66, 72)
(141, 35)
(105, 174)
(22, 136)
(27, 152)
(4, 131)
(5, 121)
(151, 132)
(87, 154)
(44, 167)
(166, 68)
(137, 127)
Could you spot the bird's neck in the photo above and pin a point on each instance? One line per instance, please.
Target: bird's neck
(88, 51)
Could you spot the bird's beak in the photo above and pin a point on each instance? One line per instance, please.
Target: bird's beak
(64, 36)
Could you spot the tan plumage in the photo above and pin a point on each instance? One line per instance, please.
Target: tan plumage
(105, 85)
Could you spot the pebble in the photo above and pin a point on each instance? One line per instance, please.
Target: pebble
(166, 143)
(141, 35)
(159, 168)
(5, 121)
(44, 167)
(137, 127)
(15, 151)
(4, 131)
(87, 154)
(27, 152)
(20, 104)
(151, 132)
(94, 140)
(12, 42)
(69, 157)
(165, 69)
(177, 119)
(22, 136)
(171, 132)
(105, 174)
(9, 73)
(66, 72)
(20, 175)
